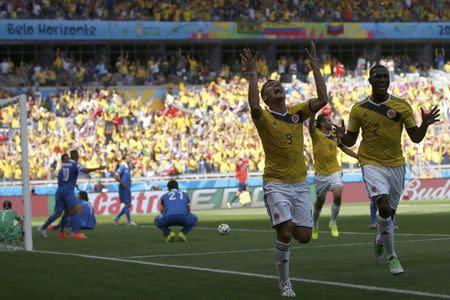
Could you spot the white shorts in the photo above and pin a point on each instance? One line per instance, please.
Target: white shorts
(288, 201)
(384, 180)
(325, 183)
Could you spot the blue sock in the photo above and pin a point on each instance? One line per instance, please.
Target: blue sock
(117, 217)
(373, 213)
(126, 211)
(50, 220)
(76, 222)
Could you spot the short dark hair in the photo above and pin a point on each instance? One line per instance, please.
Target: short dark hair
(320, 119)
(83, 195)
(172, 184)
(376, 67)
(73, 153)
(64, 156)
(263, 88)
(7, 204)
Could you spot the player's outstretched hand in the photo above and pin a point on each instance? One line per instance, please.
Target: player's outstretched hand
(312, 55)
(430, 117)
(248, 61)
(339, 131)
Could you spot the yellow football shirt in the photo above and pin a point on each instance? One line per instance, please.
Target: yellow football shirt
(325, 153)
(282, 140)
(381, 126)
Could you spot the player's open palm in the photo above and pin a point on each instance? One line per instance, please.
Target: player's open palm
(339, 131)
(248, 61)
(430, 117)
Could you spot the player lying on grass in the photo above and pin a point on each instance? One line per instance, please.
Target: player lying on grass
(328, 172)
(381, 118)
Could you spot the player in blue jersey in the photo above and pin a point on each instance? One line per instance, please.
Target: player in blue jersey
(123, 176)
(73, 209)
(88, 220)
(59, 202)
(175, 211)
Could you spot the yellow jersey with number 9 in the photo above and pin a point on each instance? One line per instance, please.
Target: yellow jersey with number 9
(282, 140)
(381, 125)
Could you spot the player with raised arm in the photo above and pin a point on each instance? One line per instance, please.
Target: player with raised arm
(286, 193)
(381, 118)
(73, 209)
(328, 172)
(123, 177)
(59, 201)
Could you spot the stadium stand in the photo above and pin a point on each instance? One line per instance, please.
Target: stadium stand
(203, 128)
(247, 11)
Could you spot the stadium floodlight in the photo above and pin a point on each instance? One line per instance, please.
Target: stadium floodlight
(26, 192)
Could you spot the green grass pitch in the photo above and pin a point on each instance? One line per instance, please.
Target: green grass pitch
(123, 262)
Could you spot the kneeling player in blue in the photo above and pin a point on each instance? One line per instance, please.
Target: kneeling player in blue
(88, 220)
(175, 211)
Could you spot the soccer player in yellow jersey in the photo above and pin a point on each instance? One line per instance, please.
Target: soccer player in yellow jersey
(381, 118)
(328, 171)
(286, 194)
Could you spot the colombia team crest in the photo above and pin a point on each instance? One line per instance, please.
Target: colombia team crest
(391, 113)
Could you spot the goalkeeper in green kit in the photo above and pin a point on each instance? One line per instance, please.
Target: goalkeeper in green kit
(8, 230)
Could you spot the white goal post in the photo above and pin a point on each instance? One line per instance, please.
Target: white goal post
(26, 192)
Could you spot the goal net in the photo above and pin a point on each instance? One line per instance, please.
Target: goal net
(16, 231)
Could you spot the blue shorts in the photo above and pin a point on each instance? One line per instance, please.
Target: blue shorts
(59, 202)
(125, 196)
(176, 220)
(242, 187)
(70, 199)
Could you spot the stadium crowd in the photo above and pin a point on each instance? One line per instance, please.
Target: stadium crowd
(180, 67)
(201, 129)
(233, 10)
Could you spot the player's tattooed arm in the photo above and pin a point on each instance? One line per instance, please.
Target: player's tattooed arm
(248, 62)
(322, 96)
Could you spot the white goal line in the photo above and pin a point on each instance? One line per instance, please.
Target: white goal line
(305, 247)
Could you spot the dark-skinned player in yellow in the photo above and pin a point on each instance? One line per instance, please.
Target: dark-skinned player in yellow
(381, 118)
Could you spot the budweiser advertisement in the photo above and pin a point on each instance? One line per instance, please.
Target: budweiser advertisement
(146, 202)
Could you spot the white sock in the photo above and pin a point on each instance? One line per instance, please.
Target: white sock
(334, 212)
(281, 251)
(316, 215)
(378, 239)
(386, 232)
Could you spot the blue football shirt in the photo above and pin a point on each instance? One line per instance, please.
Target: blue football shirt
(175, 203)
(68, 175)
